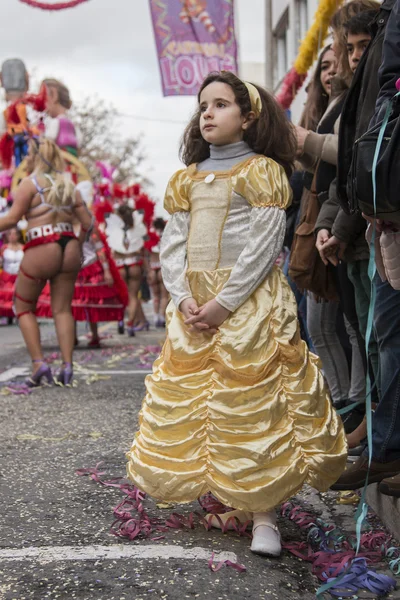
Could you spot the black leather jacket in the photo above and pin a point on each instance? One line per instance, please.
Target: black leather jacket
(389, 71)
(359, 107)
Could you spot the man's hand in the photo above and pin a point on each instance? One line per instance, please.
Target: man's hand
(210, 316)
(301, 136)
(332, 251)
(323, 236)
(381, 225)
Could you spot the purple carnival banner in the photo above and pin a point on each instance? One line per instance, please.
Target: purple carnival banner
(193, 37)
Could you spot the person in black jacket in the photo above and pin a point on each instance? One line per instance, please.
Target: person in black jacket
(389, 71)
(385, 466)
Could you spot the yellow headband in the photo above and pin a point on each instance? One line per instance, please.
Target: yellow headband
(255, 98)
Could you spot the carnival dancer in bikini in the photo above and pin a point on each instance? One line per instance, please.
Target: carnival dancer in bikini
(48, 200)
(11, 255)
(126, 234)
(100, 293)
(159, 293)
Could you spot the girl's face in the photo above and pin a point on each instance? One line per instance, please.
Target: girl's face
(221, 121)
(12, 236)
(328, 70)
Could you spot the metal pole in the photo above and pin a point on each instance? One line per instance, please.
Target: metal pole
(269, 47)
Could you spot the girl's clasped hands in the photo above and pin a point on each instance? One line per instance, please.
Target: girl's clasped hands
(206, 318)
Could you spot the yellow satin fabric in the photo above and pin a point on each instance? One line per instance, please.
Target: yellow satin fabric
(261, 180)
(176, 197)
(244, 414)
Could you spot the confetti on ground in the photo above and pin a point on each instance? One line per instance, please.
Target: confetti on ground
(89, 364)
(333, 555)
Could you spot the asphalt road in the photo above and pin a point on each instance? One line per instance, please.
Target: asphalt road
(55, 539)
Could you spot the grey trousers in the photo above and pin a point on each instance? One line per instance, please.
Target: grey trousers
(321, 324)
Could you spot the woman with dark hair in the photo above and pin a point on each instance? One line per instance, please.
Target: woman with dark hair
(319, 153)
(236, 404)
(319, 90)
(317, 149)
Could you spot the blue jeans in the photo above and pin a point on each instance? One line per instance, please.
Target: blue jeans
(301, 300)
(386, 419)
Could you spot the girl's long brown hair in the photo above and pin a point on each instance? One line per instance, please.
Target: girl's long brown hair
(317, 99)
(271, 134)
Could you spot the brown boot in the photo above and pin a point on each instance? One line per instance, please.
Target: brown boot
(355, 475)
(390, 486)
(354, 438)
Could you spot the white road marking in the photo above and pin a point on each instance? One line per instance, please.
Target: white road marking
(24, 371)
(13, 372)
(138, 372)
(48, 554)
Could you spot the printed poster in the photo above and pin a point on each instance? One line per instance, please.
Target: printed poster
(193, 38)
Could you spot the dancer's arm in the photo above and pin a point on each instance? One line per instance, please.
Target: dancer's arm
(22, 199)
(102, 255)
(84, 216)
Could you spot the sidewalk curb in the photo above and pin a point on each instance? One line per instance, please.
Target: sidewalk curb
(386, 507)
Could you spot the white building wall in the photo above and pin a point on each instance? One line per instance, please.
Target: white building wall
(295, 32)
(251, 68)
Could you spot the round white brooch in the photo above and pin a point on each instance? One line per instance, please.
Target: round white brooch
(210, 178)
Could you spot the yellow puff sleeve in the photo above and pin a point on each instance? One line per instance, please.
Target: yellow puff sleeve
(177, 193)
(263, 182)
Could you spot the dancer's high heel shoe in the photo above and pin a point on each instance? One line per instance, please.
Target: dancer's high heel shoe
(66, 375)
(43, 372)
(130, 329)
(121, 327)
(94, 343)
(142, 327)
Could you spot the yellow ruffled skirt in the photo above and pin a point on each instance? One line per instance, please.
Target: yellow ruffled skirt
(244, 414)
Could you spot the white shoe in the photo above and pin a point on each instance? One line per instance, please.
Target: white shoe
(266, 539)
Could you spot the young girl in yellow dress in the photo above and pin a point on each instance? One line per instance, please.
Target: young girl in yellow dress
(236, 404)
